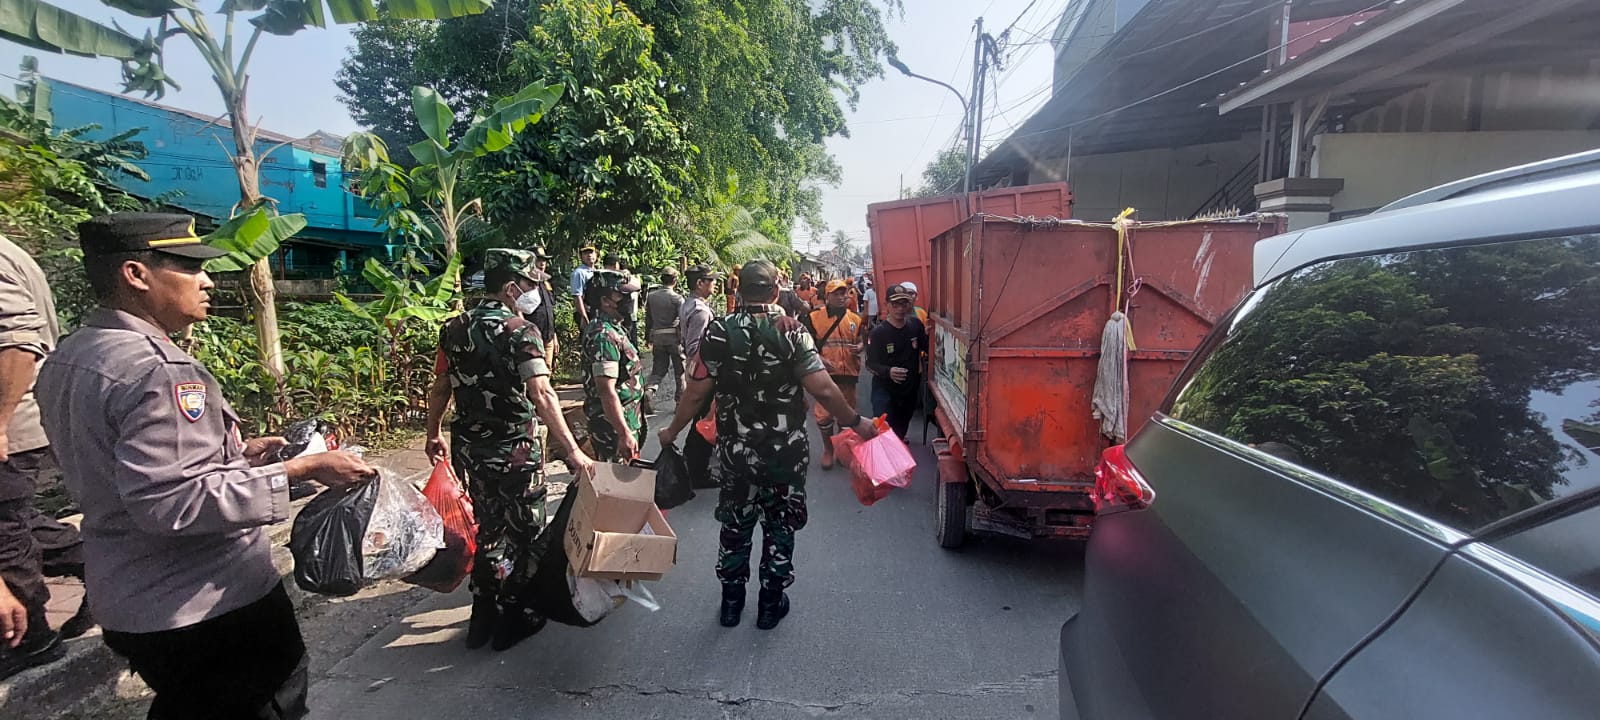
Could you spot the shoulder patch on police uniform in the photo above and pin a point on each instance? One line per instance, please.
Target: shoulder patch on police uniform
(191, 399)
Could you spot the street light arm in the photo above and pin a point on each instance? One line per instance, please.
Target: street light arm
(895, 63)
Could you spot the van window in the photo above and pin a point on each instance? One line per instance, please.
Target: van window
(1461, 383)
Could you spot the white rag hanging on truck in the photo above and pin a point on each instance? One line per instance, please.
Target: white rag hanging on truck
(1111, 380)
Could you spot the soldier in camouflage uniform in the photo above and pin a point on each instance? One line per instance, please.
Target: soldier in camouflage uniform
(757, 361)
(492, 362)
(612, 388)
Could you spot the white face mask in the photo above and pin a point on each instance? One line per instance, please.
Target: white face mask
(529, 301)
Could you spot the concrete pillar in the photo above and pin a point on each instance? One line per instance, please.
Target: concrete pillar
(1307, 201)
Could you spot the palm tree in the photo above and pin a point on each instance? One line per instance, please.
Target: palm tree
(730, 234)
(844, 248)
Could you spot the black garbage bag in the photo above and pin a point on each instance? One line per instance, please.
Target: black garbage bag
(549, 593)
(349, 537)
(673, 486)
(326, 540)
(299, 436)
(697, 458)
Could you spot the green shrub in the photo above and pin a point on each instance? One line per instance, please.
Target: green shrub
(338, 368)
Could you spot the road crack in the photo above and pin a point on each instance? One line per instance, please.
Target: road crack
(723, 699)
(1019, 685)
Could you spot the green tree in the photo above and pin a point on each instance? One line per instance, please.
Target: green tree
(752, 88)
(51, 181)
(944, 173)
(846, 249)
(38, 24)
(607, 166)
(728, 233)
(443, 164)
(761, 84)
(465, 60)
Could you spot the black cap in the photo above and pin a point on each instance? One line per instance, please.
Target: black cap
(168, 233)
(900, 292)
(695, 273)
(757, 275)
(611, 257)
(669, 271)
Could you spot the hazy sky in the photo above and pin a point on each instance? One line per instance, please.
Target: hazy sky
(899, 125)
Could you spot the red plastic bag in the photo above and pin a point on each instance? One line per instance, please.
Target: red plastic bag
(885, 459)
(845, 445)
(707, 426)
(453, 563)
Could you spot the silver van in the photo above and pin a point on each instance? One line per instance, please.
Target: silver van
(1375, 490)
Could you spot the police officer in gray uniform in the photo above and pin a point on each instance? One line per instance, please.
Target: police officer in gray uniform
(178, 562)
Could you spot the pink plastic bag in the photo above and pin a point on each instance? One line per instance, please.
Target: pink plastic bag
(845, 445)
(886, 460)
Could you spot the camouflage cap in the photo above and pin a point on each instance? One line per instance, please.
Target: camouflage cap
(512, 262)
(613, 280)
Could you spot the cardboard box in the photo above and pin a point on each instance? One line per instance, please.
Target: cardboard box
(616, 532)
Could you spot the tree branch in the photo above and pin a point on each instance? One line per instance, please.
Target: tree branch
(225, 149)
(249, 48)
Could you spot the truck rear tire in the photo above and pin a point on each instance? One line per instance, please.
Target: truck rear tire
(951, 528)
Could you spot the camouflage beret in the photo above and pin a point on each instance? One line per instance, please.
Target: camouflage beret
(511, 261)
(612, 280)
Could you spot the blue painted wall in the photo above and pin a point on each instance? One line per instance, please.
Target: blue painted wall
(185, 156)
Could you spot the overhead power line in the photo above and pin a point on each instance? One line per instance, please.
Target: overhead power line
(1020, 15)
(1202, 78)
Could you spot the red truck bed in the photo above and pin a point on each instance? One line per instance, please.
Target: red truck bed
(1017, 319)
(901, 229)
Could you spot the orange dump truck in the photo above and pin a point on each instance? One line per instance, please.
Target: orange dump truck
(900, 230)
(1018, 309)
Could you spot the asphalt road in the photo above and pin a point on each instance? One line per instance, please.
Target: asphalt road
(884, 624)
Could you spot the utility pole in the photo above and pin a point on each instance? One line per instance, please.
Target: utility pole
(976, 108)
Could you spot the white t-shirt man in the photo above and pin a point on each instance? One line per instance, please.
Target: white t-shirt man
(870, 300)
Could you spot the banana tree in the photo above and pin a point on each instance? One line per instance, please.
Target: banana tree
(403, 299)
(249, 237)
(41, 25)
(442, 163)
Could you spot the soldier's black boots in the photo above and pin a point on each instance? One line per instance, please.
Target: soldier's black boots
(485, 615)
(771, 607)
(79, 623)
(36, 648)
(732, 604)
(515, 626)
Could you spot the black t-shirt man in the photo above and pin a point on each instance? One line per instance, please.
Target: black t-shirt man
(894, 357)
